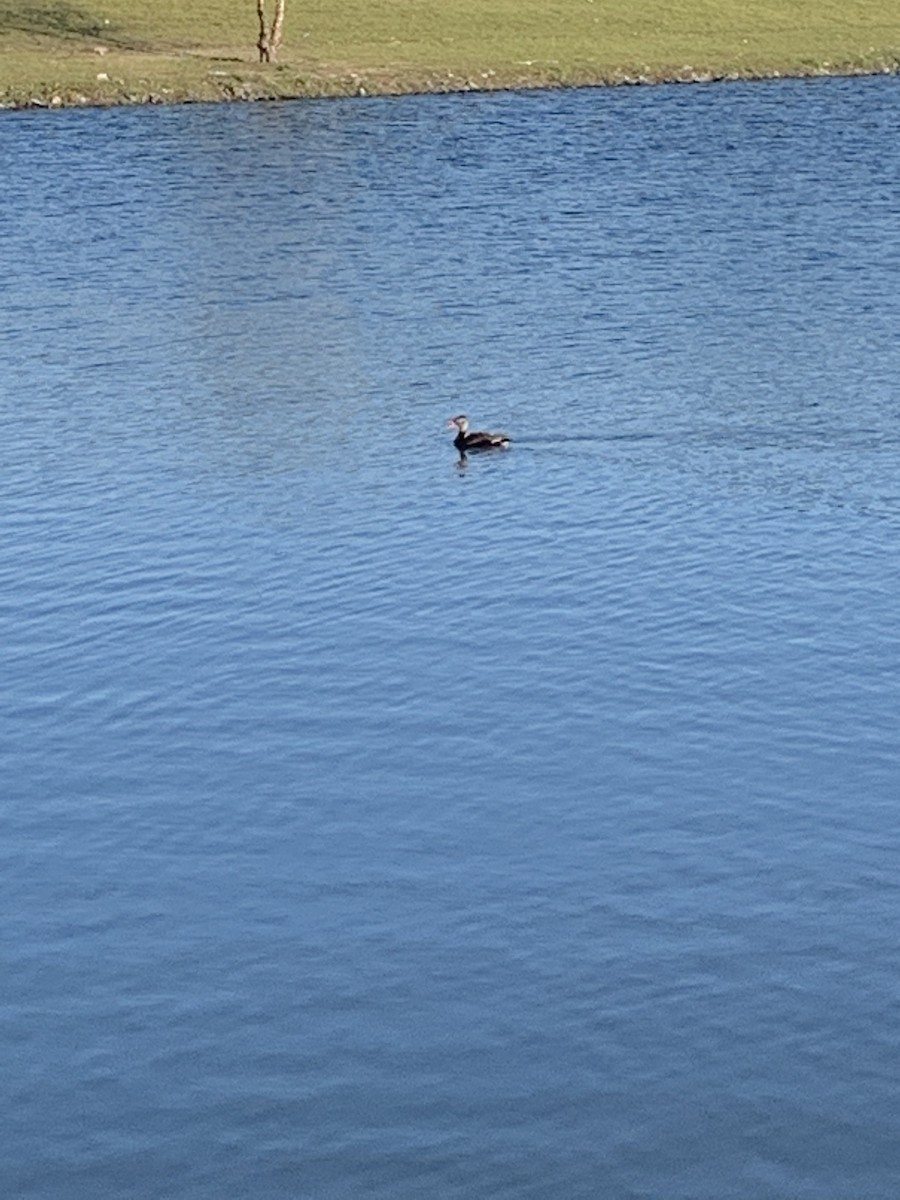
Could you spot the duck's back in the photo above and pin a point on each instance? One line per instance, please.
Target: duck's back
(481, 440)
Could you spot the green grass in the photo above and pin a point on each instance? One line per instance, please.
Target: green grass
(114, 51)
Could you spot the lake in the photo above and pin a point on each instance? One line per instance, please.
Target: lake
(380, 825)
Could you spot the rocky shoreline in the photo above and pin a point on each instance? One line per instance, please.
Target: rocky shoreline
(229, 86)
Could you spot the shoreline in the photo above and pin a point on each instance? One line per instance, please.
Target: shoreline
(228, 86)
(131, 53)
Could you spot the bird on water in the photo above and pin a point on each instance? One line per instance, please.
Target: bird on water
(466, 440)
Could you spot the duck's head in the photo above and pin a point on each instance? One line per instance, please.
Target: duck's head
(461, 423)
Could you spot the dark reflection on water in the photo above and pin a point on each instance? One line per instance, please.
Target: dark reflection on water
(377, 827)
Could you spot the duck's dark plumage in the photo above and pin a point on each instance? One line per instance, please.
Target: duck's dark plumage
(479, 439)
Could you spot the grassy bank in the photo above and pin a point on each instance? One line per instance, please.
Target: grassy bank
(57, 52)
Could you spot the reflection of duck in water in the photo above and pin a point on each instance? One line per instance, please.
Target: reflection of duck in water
(477, 439)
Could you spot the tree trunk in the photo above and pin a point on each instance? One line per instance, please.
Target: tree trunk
(263, 44)
(269, 39)
(277, 26)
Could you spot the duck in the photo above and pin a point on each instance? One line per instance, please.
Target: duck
(477, 439)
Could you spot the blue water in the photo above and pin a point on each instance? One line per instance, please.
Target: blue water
(377, 825)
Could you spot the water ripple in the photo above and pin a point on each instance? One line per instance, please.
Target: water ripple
(376, 823)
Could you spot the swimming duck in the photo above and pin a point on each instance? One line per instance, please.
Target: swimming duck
(477, 439)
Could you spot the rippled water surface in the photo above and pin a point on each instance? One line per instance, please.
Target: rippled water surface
(378, 825)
